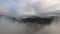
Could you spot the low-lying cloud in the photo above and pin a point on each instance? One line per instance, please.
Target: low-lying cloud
(26, 8)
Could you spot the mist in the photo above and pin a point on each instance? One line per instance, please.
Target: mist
(12, 11)
(10, 26)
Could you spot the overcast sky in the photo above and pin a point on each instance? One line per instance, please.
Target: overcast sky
(29, 7)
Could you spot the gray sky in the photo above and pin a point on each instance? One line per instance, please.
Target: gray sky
(19, 8)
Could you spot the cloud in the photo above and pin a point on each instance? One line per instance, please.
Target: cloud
(29, 7)
(21, 8)
(39, 7)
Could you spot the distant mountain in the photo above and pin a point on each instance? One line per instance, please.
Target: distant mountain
(38, 20)
(31, 19)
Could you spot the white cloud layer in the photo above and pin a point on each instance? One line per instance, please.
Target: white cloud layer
(30, 7)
